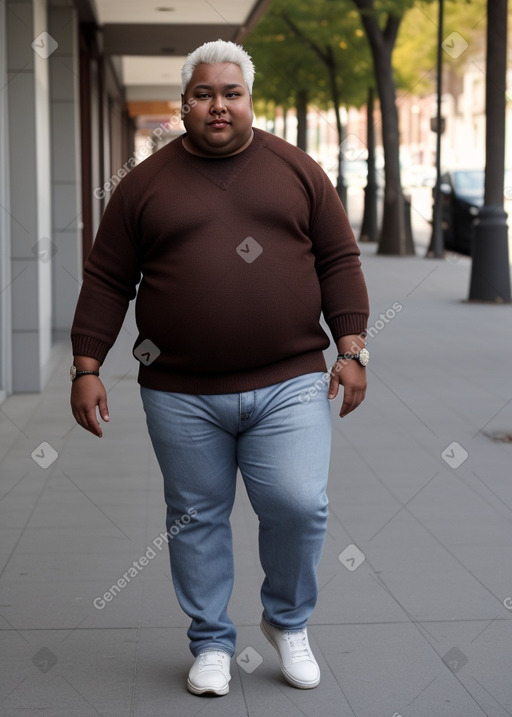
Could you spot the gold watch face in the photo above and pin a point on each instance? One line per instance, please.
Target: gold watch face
(72, 373)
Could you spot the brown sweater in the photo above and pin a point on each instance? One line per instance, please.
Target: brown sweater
(238, 257)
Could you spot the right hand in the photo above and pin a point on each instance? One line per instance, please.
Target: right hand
(87, 393)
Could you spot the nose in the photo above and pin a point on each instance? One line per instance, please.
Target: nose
(217, 105)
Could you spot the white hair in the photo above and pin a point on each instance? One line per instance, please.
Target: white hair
(218, 51)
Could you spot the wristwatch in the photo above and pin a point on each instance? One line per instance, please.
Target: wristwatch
(363, 357)
(74, 373)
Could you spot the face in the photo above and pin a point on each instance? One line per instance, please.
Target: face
(217, 111)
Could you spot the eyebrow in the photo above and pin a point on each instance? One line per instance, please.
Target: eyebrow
(231, 86)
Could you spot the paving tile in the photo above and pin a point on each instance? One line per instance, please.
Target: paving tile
(419, 625)
(62, 673)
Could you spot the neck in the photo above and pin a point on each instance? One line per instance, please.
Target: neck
(193, 150)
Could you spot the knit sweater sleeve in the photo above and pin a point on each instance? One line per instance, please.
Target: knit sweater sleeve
(345, 303)
(111, 274)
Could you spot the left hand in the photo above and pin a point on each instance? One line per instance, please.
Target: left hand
(352, 376)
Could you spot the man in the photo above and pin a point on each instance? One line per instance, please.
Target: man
(241, 242)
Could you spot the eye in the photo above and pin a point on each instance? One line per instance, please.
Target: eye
(230, 95)
(202, 95)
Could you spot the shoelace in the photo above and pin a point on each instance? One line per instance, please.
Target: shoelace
(211, 659)
(298, 646)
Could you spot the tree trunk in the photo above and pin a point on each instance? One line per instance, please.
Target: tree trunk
(330, 62)
(302, 119)
(369, 225)
(394, 236)
(327, 57)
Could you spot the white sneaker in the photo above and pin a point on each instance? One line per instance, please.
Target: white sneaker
(298, 663)
(210, 673)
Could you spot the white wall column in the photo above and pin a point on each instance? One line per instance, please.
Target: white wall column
(5, 230)
(65, 161)
(28, 48)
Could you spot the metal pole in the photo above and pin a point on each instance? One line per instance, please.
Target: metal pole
(436, 248)
(369, 231)
(490, 268)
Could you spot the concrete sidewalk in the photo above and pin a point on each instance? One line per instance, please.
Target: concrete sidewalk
(414, 615)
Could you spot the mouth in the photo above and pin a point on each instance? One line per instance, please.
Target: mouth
(218, 124)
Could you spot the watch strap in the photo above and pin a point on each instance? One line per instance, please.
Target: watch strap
(362, 357)
(85, 373)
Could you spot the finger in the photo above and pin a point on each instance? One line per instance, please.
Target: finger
(86, 421)
(103, 406)
(91, 422)
(347, 405)
(334, 385)
(351, 400)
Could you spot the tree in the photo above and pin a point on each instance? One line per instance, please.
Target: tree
(381, 21)
(284, 78)
(324, 46)
(311, 46)
(332, 67)
(451, 21)
(414, 56)
(381, 27)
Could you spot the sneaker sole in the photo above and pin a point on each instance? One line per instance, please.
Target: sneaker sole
(219, 691)
(286, 675)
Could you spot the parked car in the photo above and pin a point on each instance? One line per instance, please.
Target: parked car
(462, 195)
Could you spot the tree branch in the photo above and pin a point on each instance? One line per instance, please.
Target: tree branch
(316, 48)
(365, 5)
(391, 30)
(369, 20)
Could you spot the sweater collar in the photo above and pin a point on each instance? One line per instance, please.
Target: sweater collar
(222, 171)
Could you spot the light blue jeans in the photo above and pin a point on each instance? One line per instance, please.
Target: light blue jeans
(279, 437)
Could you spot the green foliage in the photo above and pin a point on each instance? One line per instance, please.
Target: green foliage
(288, 62)
(414, 58)
(382, 9)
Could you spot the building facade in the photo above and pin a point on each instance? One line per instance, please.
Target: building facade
(69, 72)
(63, 127)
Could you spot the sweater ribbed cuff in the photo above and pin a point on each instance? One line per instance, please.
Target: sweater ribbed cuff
(348, 324)
(89, 346)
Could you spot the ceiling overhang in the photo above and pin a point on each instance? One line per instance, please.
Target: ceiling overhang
(151, 39)
(166, 40)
